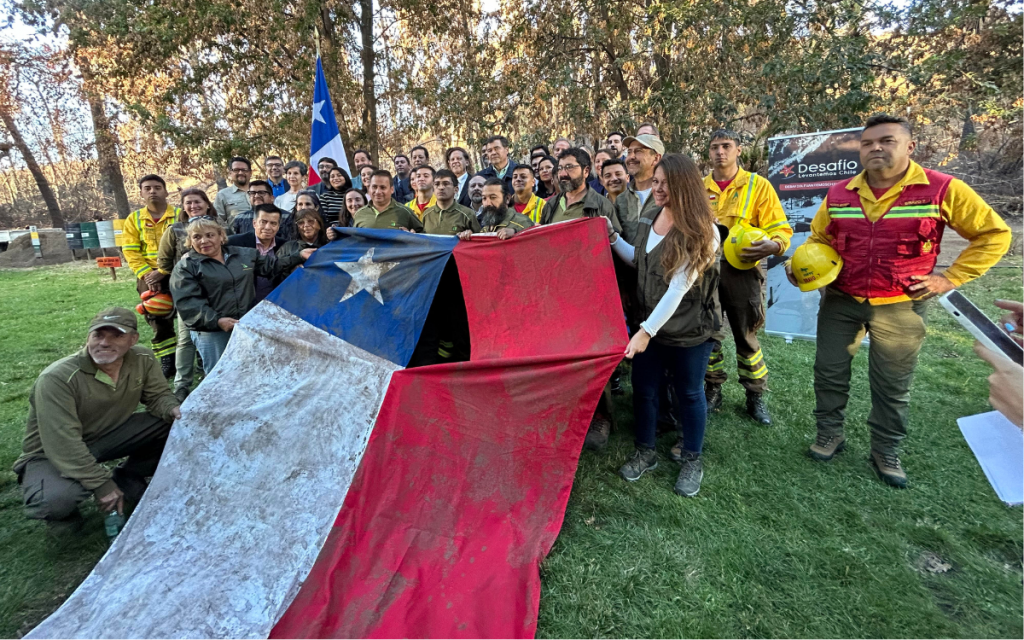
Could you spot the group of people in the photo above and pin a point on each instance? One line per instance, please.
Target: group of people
(667, 225)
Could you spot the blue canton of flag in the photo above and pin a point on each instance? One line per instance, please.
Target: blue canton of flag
(371, 288)
(325, 138)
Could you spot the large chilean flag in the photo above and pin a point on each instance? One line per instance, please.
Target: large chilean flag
(325, 139)
(315, 487)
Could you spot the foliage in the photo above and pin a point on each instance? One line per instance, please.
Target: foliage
(190, 83)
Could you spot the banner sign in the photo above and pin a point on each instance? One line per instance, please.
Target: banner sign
(802, 168)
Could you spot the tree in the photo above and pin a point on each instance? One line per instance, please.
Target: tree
(10, 99)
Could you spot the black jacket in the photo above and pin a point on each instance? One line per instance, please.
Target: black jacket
(243, 223)
(289, 254)
(403, 189)
(247, 240)
(463, 196)
(491, 172)
(264, 284)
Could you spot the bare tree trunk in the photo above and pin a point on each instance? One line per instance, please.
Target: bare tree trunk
(52, 208)
(967, 132)
(106, 148)
(369, 57)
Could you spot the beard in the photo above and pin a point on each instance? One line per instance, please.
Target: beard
(571, 184)
(491, 216)
(103, 357)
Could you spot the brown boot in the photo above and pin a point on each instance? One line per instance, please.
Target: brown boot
(889, 469)
(597, 436)
(825, 447)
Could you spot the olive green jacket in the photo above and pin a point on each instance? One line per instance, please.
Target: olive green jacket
(394, 217)
(592, 205)
(73, 403)
(451, 221)
(512, 220)
(629, 212)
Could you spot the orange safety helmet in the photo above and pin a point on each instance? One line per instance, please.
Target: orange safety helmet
(155, 304)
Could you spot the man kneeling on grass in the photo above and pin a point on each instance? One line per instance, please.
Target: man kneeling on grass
(82, 413)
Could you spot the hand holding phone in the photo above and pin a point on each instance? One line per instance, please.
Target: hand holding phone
(978, 324)
(1013, 322)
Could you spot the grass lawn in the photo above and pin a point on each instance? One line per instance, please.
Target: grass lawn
(775, 544)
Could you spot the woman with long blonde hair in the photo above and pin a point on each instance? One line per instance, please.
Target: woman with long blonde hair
(675, 254)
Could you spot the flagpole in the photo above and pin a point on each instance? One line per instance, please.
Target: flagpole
(316, 35)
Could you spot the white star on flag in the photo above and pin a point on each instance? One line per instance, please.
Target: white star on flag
(317, 117)
(365, 275)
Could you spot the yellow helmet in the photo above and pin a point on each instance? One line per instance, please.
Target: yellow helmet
(741, 236)
(815, 265)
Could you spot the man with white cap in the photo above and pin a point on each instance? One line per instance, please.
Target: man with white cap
(82, 413)
(643, 153)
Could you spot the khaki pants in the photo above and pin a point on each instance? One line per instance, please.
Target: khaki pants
(184, 358)
(897, 333)
(51, 496)
(741, 295)
(164, 338)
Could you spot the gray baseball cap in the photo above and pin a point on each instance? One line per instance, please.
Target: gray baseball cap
(651, 142)
(117, 317)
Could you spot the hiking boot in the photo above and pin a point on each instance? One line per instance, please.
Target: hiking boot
(167, 366)
(641, 461)
(690, 475)
(617, 389)
(181, 394)
(713, 395)
(826, 447)
(889, 469)
(597, 435)
(756, 408)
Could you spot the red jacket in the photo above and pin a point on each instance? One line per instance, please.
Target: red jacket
(879, 258)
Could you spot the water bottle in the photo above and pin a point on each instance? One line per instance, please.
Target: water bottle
(113, 523)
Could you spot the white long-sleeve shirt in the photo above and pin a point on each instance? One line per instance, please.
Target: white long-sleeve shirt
(680, 283)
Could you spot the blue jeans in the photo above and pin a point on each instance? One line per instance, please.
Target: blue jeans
(687, 366)
(210, 345)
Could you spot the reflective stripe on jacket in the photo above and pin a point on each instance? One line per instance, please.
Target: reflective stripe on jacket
(142, 238)
(880, 257)
(961, 209)
(751, 198)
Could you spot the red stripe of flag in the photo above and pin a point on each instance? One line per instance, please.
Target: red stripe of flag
(463, 486)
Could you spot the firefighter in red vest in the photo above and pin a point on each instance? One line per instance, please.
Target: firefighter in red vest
(886, 224)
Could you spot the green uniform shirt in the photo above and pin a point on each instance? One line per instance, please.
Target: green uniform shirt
(513, 220)
(628, 210)
(393, 217)
(451, 221)
(592, 204)
(73, 403)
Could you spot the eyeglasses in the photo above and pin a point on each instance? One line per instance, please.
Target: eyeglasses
(567, 167)
(243, 170)
(253, 194)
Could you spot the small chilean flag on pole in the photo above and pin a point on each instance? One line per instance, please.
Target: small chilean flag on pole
(325, 140)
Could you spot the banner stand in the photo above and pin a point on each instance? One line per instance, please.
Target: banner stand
(802, 168)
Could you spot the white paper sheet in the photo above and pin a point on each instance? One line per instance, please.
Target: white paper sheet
(999, 447)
